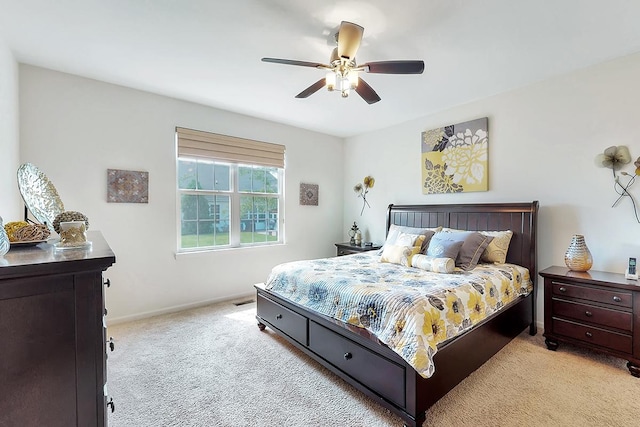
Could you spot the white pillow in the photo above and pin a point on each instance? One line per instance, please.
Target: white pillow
(437, 265)
(395, 230)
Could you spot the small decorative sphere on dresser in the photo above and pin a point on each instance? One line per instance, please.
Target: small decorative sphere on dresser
(578, 257)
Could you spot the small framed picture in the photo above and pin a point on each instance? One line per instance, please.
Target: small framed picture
(309, 194)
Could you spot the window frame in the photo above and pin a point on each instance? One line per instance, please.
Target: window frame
(234, 195)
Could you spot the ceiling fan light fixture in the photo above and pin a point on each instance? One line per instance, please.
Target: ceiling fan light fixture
(330, 80)
(353, 79)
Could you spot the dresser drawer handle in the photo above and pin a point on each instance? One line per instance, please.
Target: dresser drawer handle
(112, 344)
(279, 316)
(562, 289)
(107, 283)
(588, 313)
(348, 356)
(588, 334)
(617, 299)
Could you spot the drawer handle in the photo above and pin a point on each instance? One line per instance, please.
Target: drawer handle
(588, 313)
(112, 344)
(562, 289)
(348, 356)
(588, 334)
(279, 316)
(617, 299)
(108, 285)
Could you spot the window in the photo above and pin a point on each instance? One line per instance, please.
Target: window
(230, 191)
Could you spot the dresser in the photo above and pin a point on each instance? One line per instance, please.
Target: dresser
(53, 336)
(594, 309)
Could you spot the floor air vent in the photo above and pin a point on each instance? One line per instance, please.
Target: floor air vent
(249, 301)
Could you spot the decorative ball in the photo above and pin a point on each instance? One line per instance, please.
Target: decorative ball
(12, 227)
(69, 216)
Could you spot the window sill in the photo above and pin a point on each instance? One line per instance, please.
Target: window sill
(209, 251)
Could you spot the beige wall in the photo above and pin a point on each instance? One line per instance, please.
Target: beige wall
(74, 129)
(10, 201)
(542, 143)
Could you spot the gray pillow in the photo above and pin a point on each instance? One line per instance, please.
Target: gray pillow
(445, 245)
(472, 248)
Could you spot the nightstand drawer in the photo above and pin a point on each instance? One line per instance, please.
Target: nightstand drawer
(280, 317)
(592, 314)
(614, 297)
(591, 335)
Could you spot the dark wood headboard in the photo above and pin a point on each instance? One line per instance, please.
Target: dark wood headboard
(521, 218)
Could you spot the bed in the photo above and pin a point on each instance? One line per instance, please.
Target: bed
(377, 370)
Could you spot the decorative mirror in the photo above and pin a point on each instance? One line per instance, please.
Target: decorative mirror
(39, 194)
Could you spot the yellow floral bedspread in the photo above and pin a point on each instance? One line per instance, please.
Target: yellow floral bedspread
(408, 309)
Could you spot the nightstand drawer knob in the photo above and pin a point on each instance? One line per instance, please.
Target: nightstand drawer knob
(588, 334)
(588, 313)
(562, 289)
(617, 299)
(279, 316)
(348, 356)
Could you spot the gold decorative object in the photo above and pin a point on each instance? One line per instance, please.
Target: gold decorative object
(578, 257)
(32, 232)
(11, 228)
(73, 233)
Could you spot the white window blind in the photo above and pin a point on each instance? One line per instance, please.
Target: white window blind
(195, 143)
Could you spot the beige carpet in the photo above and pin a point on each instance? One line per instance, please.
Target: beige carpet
(212, 367)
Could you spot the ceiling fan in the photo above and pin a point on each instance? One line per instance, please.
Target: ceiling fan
(342, 70)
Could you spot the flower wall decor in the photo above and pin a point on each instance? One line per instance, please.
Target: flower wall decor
(454, 158)
(614, 158)
(363, 188)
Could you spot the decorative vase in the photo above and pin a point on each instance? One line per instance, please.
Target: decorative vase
(578, 257)
(4, 240)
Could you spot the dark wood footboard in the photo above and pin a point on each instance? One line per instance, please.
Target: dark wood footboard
(375, 369)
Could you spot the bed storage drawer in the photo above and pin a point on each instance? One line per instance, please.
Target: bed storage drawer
(285, 320)
(374, 371)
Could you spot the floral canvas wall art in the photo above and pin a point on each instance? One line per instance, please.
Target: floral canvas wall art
(455, 158)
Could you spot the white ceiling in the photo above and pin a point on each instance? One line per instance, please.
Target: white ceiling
(208, 51)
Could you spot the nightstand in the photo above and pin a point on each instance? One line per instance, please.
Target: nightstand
(348, 249)
(594, 309)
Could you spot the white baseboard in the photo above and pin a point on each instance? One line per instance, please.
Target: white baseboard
(175, 308)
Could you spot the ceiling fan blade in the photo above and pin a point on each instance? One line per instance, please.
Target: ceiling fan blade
(311, 89)
(366, 92)
(349, 38)
(294, 62)
(395, 67)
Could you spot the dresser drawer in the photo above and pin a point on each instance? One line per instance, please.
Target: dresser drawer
(613, 297)
(600, 316)
(280, 317)
(592, 335)
(370, 369)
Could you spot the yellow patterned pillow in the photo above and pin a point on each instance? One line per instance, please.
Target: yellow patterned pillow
(498, 248)
(407, 245)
